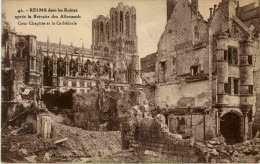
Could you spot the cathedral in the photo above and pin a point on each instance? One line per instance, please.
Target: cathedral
(113, 57)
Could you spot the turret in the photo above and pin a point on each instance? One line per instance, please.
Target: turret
(246, 74)
(222, 69)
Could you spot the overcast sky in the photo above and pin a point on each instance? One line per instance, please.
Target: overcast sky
(151, 19)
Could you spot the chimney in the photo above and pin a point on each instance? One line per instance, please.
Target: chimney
(170, 7)
(238, 10)
(194, 4)
(215, 6)
(210, 9)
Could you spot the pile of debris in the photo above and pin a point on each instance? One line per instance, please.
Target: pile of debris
(29, 146)
(217, 151)
(54, 141)
(82, 142)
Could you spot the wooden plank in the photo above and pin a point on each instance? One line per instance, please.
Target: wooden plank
(61, 140)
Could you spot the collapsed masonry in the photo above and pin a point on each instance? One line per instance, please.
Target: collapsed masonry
(104, 109)
(142, 130)
(151, 138)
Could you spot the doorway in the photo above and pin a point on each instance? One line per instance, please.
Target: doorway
(230, 127)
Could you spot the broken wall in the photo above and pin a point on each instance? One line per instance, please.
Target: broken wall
(195, 94)
(105, 109)
(200, 126)
(185, 37)
(151, 138)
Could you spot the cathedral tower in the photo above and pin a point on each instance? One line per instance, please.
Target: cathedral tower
(116, 35)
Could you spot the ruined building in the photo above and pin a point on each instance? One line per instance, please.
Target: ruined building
(113, 57)
(148, 69)
(207, 71)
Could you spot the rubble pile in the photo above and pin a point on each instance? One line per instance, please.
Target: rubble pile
(63, 144)
(24, 145)
(216, 150)
(82, 142)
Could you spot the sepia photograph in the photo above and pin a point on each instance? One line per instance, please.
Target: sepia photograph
(130, 81)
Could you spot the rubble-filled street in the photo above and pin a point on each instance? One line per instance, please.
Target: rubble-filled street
(193, 97)
(66, 143)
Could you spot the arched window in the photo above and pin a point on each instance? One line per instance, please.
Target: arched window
(127, 23)
(121, 21)
(107, 31)
(106, 49)
(113, 25)
(101, 31)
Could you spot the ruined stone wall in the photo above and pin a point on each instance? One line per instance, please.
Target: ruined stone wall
(257, 81)
(182, 46)
(148, 78)
(257, 93)
(183, 95)
(150, 137)
(105, 109)
(181, 41)
(148, 63)
(197, 125)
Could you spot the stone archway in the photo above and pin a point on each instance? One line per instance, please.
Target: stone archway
(231, 127)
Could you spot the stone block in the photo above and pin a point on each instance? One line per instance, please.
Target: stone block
(44, 124)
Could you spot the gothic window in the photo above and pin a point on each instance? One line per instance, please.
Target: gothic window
(121, 21)
(116, 24)
(107, 28)
(101, 31)
(134, 24)
(97, 33)
(127, 23)
(94, 34)
(196, 34)
(113, 25)
(106, 49)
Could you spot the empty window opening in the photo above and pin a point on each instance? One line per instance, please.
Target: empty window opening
(236, 84)
(232, 55)
(121, 21)
(196, 34)
(181, 125)
(250, 60)
(162, 71)
(195, 70)
(235, 56)
(229, 55)
(250, 89)
(225, 55)
(227, 86)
